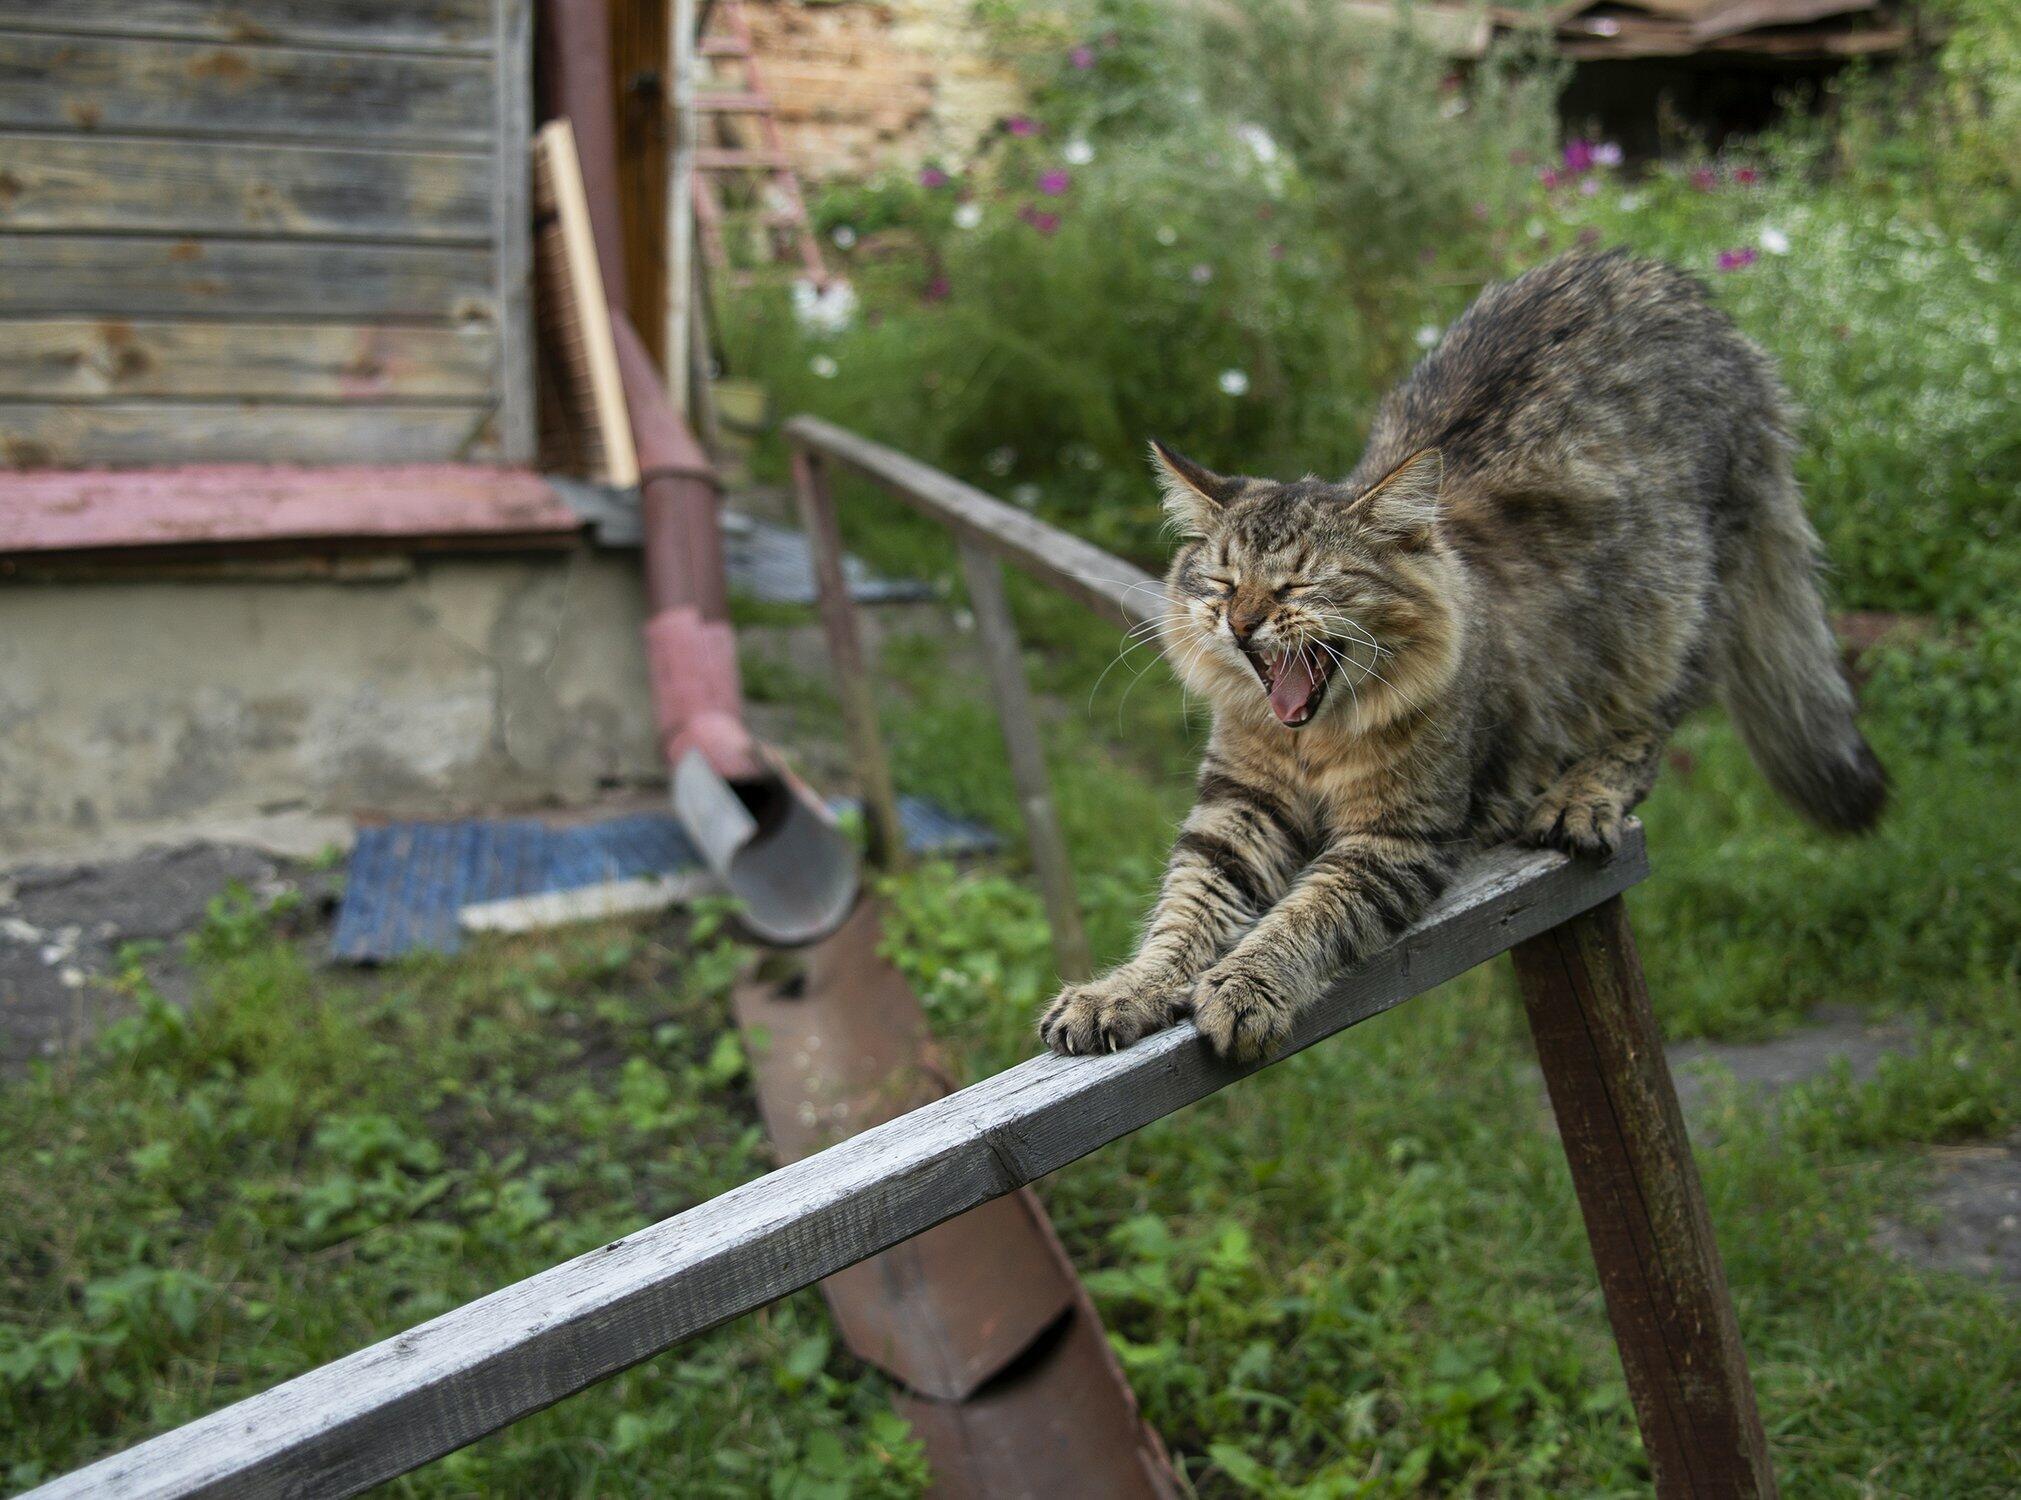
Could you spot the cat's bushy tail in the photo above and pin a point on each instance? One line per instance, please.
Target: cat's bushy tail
(1782, 680)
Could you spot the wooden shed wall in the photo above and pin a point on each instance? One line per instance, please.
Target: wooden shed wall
(264, 230)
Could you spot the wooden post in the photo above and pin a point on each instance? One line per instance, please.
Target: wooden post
(1645, 1211)
(680, 280)
(1002, 659)
(845, 649)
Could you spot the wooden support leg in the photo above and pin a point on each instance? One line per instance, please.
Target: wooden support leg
(845, 649)
(1002, 659)
(1645, 1211)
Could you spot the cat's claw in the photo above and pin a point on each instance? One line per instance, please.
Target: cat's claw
(1108, 1014)
(1243, 1015)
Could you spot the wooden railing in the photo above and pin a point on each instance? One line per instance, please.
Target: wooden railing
(398, 1404)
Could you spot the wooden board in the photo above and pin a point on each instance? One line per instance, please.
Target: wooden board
(51, 514)
(418, 25)
(93, 358)
(1114, 589)
(512, 225)
(87, 183)
(1667, 1298)
(208, 89)
(44, 434)
(396, 1405)
(142, 276)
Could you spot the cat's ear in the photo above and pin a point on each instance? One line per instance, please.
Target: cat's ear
(1405, 504)
(1194, 497)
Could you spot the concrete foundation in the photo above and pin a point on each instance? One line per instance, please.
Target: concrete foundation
(131, 708)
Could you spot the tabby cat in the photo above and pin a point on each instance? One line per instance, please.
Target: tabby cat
(1574, 521)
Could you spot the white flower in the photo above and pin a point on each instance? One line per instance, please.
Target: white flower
(824, 366)
(1167, 235)
(1000, 460)
(1233, 383)
(828, 309)
(1077, 152)
(1202, 273)
(1589, 187)
(1535, 229)
(967, 215)
(1026, 495)
(1428, 335)
(1607, 154)
(843, 236)
(1773, 240)
(1630, 202)
(1453, 108)
(1258, 140)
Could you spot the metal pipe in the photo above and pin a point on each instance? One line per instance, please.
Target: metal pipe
(762, 831)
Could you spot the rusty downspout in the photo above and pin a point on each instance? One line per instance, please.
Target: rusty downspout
(758, 827)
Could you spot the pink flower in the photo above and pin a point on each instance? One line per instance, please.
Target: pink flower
(1021, 125)
(1578, 156)
(1055, 182)
(1590, 186)
(1747, 177)
(1083, 58)
(1044, 223)
(1705, 179)
(1550, 177)
(938, 289)
(1733, 260)
(933, 177)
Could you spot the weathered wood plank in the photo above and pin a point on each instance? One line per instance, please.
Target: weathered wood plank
(816, 503)
(212, 89)
(90, 183)
(1109, 586)
(40, 434)
(398, 1404)
(422, 25)
(1003, 662)
(1602, 1056)
(130, 276)
(512, 229)
(90, 358)
(50, 514)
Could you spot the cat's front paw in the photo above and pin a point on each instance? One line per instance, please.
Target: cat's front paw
(1107, 1014)
(1577, 819)
(1244, 1014)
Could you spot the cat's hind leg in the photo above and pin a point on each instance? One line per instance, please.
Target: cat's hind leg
(1583, 810)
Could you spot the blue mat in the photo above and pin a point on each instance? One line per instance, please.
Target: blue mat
(408, 881)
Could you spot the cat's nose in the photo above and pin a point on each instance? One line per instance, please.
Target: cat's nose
(1243, 620)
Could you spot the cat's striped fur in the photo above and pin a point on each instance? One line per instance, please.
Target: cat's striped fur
(1573, 522)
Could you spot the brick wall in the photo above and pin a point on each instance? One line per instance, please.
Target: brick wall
(863, 86)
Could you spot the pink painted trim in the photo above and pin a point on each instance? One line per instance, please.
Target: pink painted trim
(219, 504)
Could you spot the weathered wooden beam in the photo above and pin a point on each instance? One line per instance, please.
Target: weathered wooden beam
(1112, 588)
(1603, 1062)
(149, 86)
(119, 433)
(396, 1405)
(85, 359)
(1004, 662)
(517, 436)
(142, 275)
(845, 651)
(364, 25)
(81, 184)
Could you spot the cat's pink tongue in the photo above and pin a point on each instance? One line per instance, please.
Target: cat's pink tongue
(1292, 684)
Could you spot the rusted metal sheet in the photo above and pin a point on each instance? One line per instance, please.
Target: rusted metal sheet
(105, 510)
(1009, 1380)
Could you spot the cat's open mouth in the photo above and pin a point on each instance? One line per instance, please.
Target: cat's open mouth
(1294, 680)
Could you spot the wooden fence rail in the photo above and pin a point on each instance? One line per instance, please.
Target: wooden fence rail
(426, 1392)
(399, 1404)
